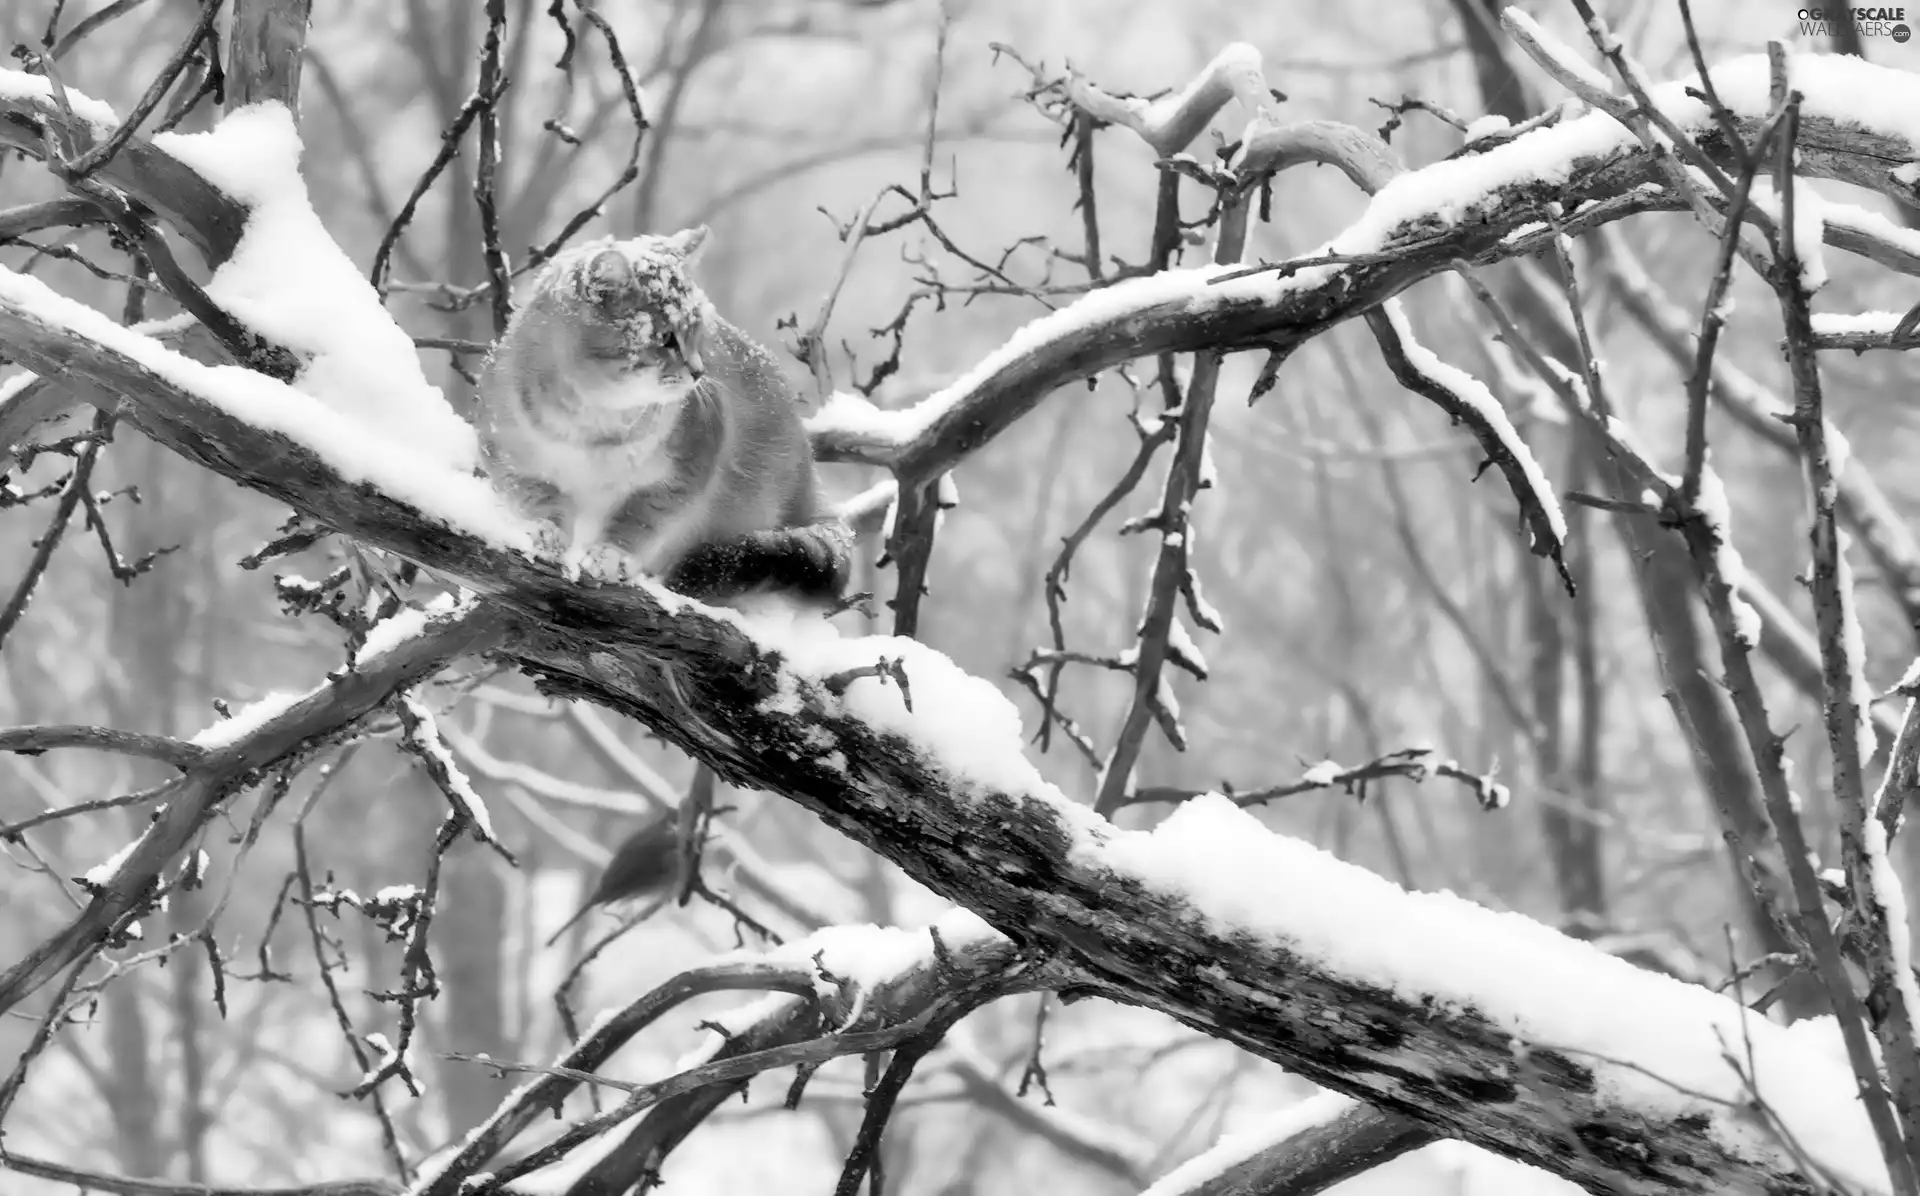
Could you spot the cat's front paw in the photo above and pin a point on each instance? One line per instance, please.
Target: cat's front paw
(609, 563)
(549, 541)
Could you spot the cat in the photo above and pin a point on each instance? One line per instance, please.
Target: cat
(650, 436)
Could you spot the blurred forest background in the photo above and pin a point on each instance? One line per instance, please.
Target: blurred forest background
(1374, 599)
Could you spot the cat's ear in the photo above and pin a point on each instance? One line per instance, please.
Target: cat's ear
(688, 243)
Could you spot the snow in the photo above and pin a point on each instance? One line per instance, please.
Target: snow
(1486, 127)
(1809, 226)
(290, 280)
(452, 497)
(724, 1027)
(1869, 224)
(1529, 30)
(1809, 231)
(1836, 323)
(1712, 508)
(1183, 650)
(18, 85)
(1237, 1148)
(856, 416)
(958, 719)
(249, 718)
(1324, 773)
(1204, 612)
(862, 957)
(1853, 653)
(860, 419)
(104, 871)
(1653, 1042)
(428, 741)
(867, 957)
(1893, 904)
(1839, 449)
(1848, 91)
(403, 625)
(880, 494)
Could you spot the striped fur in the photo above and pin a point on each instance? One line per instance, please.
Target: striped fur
(651, 433)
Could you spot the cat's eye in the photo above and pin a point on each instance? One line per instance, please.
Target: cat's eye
(604, 345)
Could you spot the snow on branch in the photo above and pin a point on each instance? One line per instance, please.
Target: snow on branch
(1271, 944)
(1860, 126)
(288, 281)
(171, 396)
(1467, 400)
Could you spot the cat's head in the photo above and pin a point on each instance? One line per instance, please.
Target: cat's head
(633, 312)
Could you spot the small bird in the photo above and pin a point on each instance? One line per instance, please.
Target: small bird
(645, 863)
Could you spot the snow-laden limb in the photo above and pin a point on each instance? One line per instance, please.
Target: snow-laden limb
(94, 354)
(1860, 331)
(865, 978)
(1267, 942)
(238, 193)
(288, 280)
(1467, 400)
(420, 735)
(36, 90)
(1871, 235)
(1861, 125)
(235, 751)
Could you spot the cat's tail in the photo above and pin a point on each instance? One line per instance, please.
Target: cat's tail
(810, 563)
